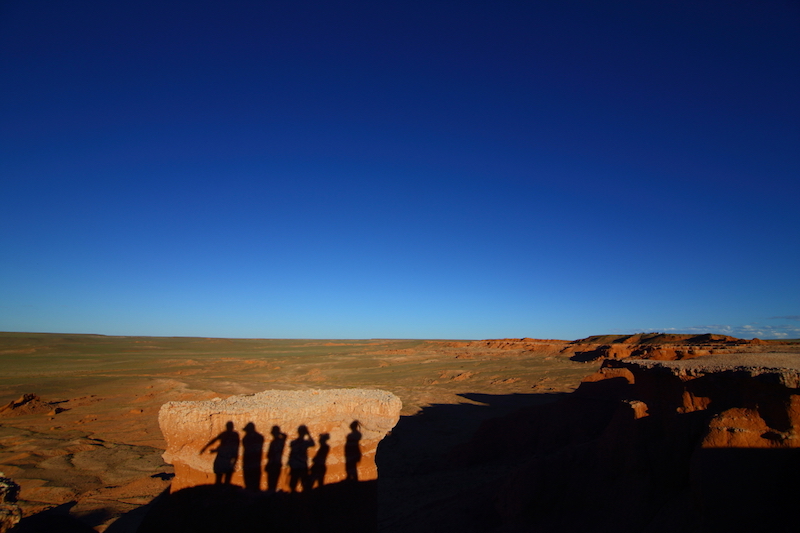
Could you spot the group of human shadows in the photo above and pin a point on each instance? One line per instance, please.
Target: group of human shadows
(301, 475)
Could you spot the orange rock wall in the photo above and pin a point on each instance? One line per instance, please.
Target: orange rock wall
(658, 352)
(752, 401)
(205, 439)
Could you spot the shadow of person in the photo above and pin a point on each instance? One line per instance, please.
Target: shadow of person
(252, 452)
(227, 453)
(275, 458)
(352, 452)
(318, 467)
(298, 459)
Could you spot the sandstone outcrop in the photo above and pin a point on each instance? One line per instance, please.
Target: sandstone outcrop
(658, 346)
(516, 344)
(278, 440)
(707, 444)
(10, 513)
(659, 352)
(501, 348)
(30, 404)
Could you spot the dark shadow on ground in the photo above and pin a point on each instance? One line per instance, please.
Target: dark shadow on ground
(582, 462)
(586, 356)
(57, 519)
(420, 487)
(746, 489)
(346, 506)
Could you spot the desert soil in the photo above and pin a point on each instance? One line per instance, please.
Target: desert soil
(89, 444)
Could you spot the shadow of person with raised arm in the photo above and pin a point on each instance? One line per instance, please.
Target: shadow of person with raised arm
(298, 459)
(252, 452)
(275, 458)
(318, 463)
(227, 453)
(352, 452)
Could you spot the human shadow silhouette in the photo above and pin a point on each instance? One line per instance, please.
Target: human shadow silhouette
(298, 459)
(227, 454)
(252, 453)
(275, 458)
(352, 452)
(318, 463)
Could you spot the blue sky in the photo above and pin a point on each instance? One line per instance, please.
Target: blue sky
(400, 169)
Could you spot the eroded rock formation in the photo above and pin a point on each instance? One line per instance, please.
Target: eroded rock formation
(658, 346)
(30, 404)
(707, 445)
(10, 513)
(278, 440)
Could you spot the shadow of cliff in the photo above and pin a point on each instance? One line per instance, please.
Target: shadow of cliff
(345, 506)
(423, 443)
(609, 457)
(421, 488)
(591, 461)
(586, 356)
(57, 519)
(742, 489)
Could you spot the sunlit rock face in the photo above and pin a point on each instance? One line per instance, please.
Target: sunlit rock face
(278, 440)
(656, 346)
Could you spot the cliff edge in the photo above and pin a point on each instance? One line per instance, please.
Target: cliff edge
(708, 444)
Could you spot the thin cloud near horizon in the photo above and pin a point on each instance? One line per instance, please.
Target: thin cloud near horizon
(782, 331)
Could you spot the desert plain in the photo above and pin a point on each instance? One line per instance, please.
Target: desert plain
(85, 445)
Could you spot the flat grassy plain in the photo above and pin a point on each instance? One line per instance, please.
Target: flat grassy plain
(96, 453)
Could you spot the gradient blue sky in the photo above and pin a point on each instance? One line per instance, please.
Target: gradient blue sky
(400, 169)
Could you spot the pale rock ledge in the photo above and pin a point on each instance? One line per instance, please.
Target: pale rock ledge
(247, 440)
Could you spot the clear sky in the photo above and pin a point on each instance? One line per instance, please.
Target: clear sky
(400, 169)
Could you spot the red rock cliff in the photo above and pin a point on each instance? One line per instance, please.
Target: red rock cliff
(707, 444)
